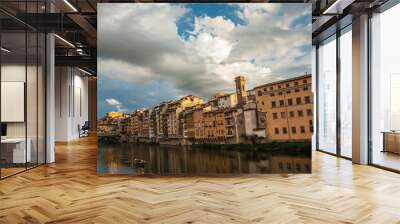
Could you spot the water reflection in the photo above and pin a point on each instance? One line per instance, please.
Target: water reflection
(136, 159)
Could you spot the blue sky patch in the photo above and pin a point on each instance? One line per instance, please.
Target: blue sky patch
(301, 21)
(186, 23)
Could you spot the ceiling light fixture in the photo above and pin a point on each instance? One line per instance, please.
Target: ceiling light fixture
(64, 40)
(331, 7)
(84, 71)
(79, 51)
(5, 50)
(70, 5)
(337, 7)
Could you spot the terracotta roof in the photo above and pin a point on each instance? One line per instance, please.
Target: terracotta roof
(283, 81)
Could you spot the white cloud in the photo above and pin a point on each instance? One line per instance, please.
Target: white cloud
(112, 102)
(217, 26)
(212, 49)
(140, 43)
(116, 103)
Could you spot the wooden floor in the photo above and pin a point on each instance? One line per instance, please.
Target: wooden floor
(5, 172)
(387, 159)
(70, 191)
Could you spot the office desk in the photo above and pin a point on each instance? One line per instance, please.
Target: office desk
(13, 150)
(391, 141)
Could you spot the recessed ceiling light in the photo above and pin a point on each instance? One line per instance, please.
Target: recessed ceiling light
(64, 40)
(333, 6)
(84, 71)
(5, 50)
(70, 5)
(337, 7)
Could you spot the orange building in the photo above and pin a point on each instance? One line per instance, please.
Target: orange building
(187, 122)
(111, 123)
(198, 124)
(144, 119)
(138, 124)
(288, 105)
(115, 114)
(209, 126)
(188, 125)
(198, 120)
(171, 122)
(220, 125)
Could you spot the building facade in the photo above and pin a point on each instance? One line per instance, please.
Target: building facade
(241, 93)
(288, 105)
(172, 115)
(278, 111)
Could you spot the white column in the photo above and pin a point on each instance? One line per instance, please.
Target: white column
(360, 89)
(50, 99)
(50, 92)
(62, 103)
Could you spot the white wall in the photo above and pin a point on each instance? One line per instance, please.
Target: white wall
(229, 101)
(17, 73)
(12, 73)
(250, 119)
(33, 126)
(71, 102)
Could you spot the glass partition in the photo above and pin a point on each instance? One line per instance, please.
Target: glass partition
(327, 95)
(41, 97)
(346, 93)
(31, 97)
(385, 89)
(13, 94)
(22, 77)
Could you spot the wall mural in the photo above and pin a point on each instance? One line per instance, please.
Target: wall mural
(204, 89)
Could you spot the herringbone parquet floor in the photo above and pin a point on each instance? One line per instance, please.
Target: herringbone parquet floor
(70, 191)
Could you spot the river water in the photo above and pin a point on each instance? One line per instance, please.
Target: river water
(147, 159)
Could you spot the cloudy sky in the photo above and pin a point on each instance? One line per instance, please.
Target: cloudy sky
(148, 53)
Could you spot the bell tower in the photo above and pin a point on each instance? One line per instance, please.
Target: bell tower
(241, 93)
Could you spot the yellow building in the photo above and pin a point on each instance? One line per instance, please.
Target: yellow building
(209, 126)
(288, 105)
(223, 100)
(112, 124)
(188, 125)
(144, 118)
(241, 92)
(115, 114)
(220, 125)
(139, 123)
(198, 121)
(171, 116)
(198, 124)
